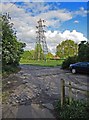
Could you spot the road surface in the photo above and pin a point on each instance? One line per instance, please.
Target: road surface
(34, 89)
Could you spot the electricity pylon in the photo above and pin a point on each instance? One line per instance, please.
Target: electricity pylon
(41, 39)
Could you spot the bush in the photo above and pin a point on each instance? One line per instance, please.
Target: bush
(9, 69)
(12, 49)
(68, 61)
(77, 109)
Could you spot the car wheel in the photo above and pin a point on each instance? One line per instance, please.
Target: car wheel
(73, 71)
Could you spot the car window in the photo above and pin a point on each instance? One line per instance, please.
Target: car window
(83, 64)
(88, 63)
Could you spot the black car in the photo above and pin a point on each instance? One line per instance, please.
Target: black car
(82, 67)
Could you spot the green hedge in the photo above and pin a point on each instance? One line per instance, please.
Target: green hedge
(68, 61)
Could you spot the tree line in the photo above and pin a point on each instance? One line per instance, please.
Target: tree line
(65, 49)
(82, 56)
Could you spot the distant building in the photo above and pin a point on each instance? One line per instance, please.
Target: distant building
(56, 58)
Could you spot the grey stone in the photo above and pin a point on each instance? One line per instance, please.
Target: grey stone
(48, 106)
(25, 81)
(8, 82)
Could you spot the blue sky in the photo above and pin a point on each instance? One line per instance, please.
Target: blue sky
(64, 20)
(80, 26)
(44, 0)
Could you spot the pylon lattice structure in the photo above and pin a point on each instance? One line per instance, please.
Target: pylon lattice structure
(41, 39)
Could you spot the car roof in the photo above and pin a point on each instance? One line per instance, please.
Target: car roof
(82, 62)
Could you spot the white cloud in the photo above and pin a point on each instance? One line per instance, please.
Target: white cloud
(19, 14)
(81, 12)
(54, 38)
(25, 24)
(45, 1)
(36, 7)
(15, 1)
(60, 15)
(76, 21)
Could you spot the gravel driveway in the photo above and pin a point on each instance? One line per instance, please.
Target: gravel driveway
(34, 89)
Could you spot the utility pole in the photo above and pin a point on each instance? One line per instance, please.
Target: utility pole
(41, 39)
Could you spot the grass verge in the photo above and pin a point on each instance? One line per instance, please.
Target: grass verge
(48, 63)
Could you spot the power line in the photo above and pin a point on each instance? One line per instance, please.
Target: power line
(11, 6)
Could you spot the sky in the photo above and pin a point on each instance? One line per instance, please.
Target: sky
(63, 20)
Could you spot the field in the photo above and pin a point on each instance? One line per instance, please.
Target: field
(49, 63)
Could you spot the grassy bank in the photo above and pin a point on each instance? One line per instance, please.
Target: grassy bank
(49, 63)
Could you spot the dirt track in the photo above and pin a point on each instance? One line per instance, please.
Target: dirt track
(36, 86)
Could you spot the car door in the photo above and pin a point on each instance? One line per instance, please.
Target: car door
(83, 67)
(88, 68)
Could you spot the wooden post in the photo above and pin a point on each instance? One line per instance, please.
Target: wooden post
(62, 92)
(70, 92)
(76, 94)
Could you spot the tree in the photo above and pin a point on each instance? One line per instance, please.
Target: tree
(66, 48)
(11, 48)
(28, 55)
(39, 55)
(83, 51)
(0, 28)
(32, 52)
(49, 56)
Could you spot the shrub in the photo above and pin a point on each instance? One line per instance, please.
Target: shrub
(68, 61)
(9, 69)
(12, 49)
(77, 109)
